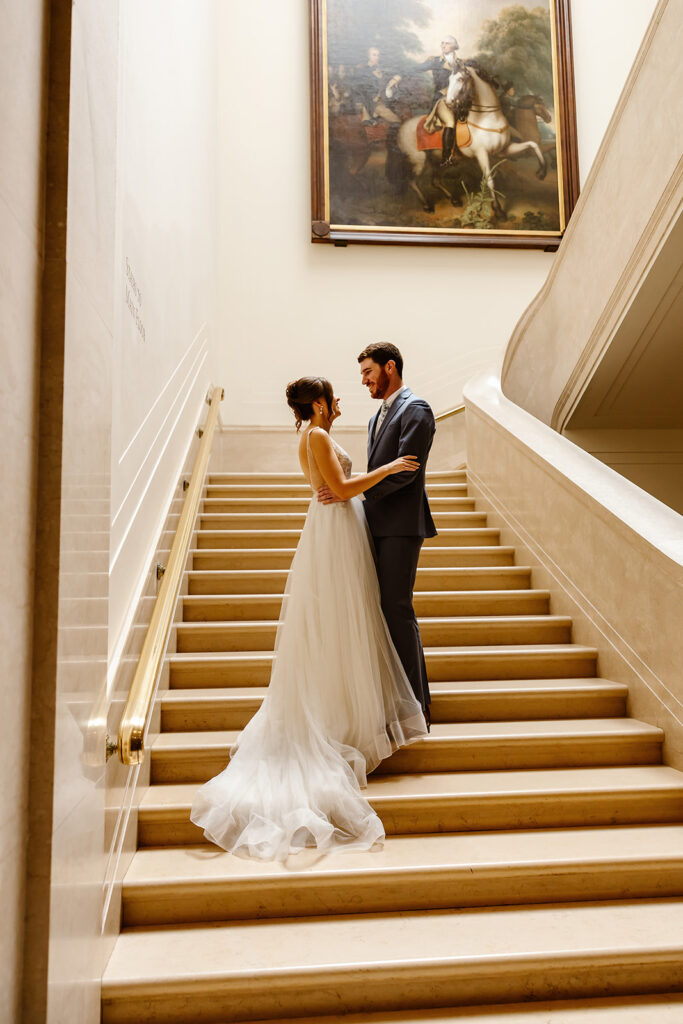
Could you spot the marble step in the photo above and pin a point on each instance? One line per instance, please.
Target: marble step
(281, 538)
(295, 520)
(185, 884)
(300, 504)
(450, 747)
(435, 631)
(449, 489)
(90, 539)
(272, 581)
(84, 563)
(436, 476)
(253, 607)
(471, 801)
(489, 700)
(444, 664)
(364, 963)
(281, 558)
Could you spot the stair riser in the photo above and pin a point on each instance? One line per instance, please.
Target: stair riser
(234, 540)
(377, 892)
(278, 559)
(434, 490)
(444, 668)
(397, 987)
(511, 665)
(444, 709)
(524, 707)
(413, 816)
(201, 765)
(508, 578)
(446, 476)
(273, 505)
(261, 637)
(213, 609)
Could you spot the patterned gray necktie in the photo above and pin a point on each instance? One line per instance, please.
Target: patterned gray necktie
(382, 413)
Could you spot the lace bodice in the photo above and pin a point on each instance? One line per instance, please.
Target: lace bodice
(344, 461)
(344, 458)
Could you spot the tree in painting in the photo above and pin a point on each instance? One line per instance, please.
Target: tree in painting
(516, 47)
(353, 27)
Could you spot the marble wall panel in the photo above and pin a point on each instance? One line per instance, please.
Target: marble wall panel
(125, 785)
(274, 449)
(19, 282)
(252, 449)
(22, 115)
(139, 516)
(628, 205)
(611, 554)
(75, 952)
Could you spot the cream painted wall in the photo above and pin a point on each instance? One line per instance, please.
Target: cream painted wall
(21, 171)
(289, 307)
(164, 297)
(606, 39)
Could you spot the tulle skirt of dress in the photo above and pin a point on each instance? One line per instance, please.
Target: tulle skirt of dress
(338, 703)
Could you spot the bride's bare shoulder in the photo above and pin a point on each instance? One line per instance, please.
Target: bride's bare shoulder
(319, 439)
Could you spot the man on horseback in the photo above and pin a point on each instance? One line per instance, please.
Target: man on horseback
(441, 114)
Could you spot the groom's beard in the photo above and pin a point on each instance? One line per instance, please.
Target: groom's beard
(382, 385)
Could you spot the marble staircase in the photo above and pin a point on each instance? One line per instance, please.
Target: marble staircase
(533, 867)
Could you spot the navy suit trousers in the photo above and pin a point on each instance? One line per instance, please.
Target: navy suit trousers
(396, 569)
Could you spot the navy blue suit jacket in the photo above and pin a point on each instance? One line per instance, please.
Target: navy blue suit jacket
(397, 506)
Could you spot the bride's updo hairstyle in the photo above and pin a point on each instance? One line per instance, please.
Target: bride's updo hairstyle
(302, 393)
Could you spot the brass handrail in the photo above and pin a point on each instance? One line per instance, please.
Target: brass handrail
(450, 412)
(133, 724)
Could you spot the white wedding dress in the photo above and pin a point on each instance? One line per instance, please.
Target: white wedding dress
(338, 703)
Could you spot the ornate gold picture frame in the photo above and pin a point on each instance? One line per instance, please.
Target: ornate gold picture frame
(442, 122)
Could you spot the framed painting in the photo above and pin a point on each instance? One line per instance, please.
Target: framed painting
(442, 122)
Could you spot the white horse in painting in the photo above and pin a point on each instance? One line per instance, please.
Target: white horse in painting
(491, 138)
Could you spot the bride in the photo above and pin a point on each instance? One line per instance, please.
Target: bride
(339, 700)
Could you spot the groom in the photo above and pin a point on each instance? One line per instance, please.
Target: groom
(397, 509)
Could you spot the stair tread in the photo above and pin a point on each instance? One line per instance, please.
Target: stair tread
(257, 474)
(341, 946)
(486, 549)
(288, 516)
(492, 851)
(497, 649)
(463, 620)
(590, 684)
(448, 531)
(553, 781)
(423, 594)
(484, 570)
(553, 730)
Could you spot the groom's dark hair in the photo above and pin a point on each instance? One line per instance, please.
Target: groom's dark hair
(381, 352)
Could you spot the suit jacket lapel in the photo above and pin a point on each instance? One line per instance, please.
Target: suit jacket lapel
(371, 431)
(393, 411)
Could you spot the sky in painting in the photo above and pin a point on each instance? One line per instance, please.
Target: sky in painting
(463, 19)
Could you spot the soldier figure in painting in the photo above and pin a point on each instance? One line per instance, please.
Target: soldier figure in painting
(370, 85)
(441, 68)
